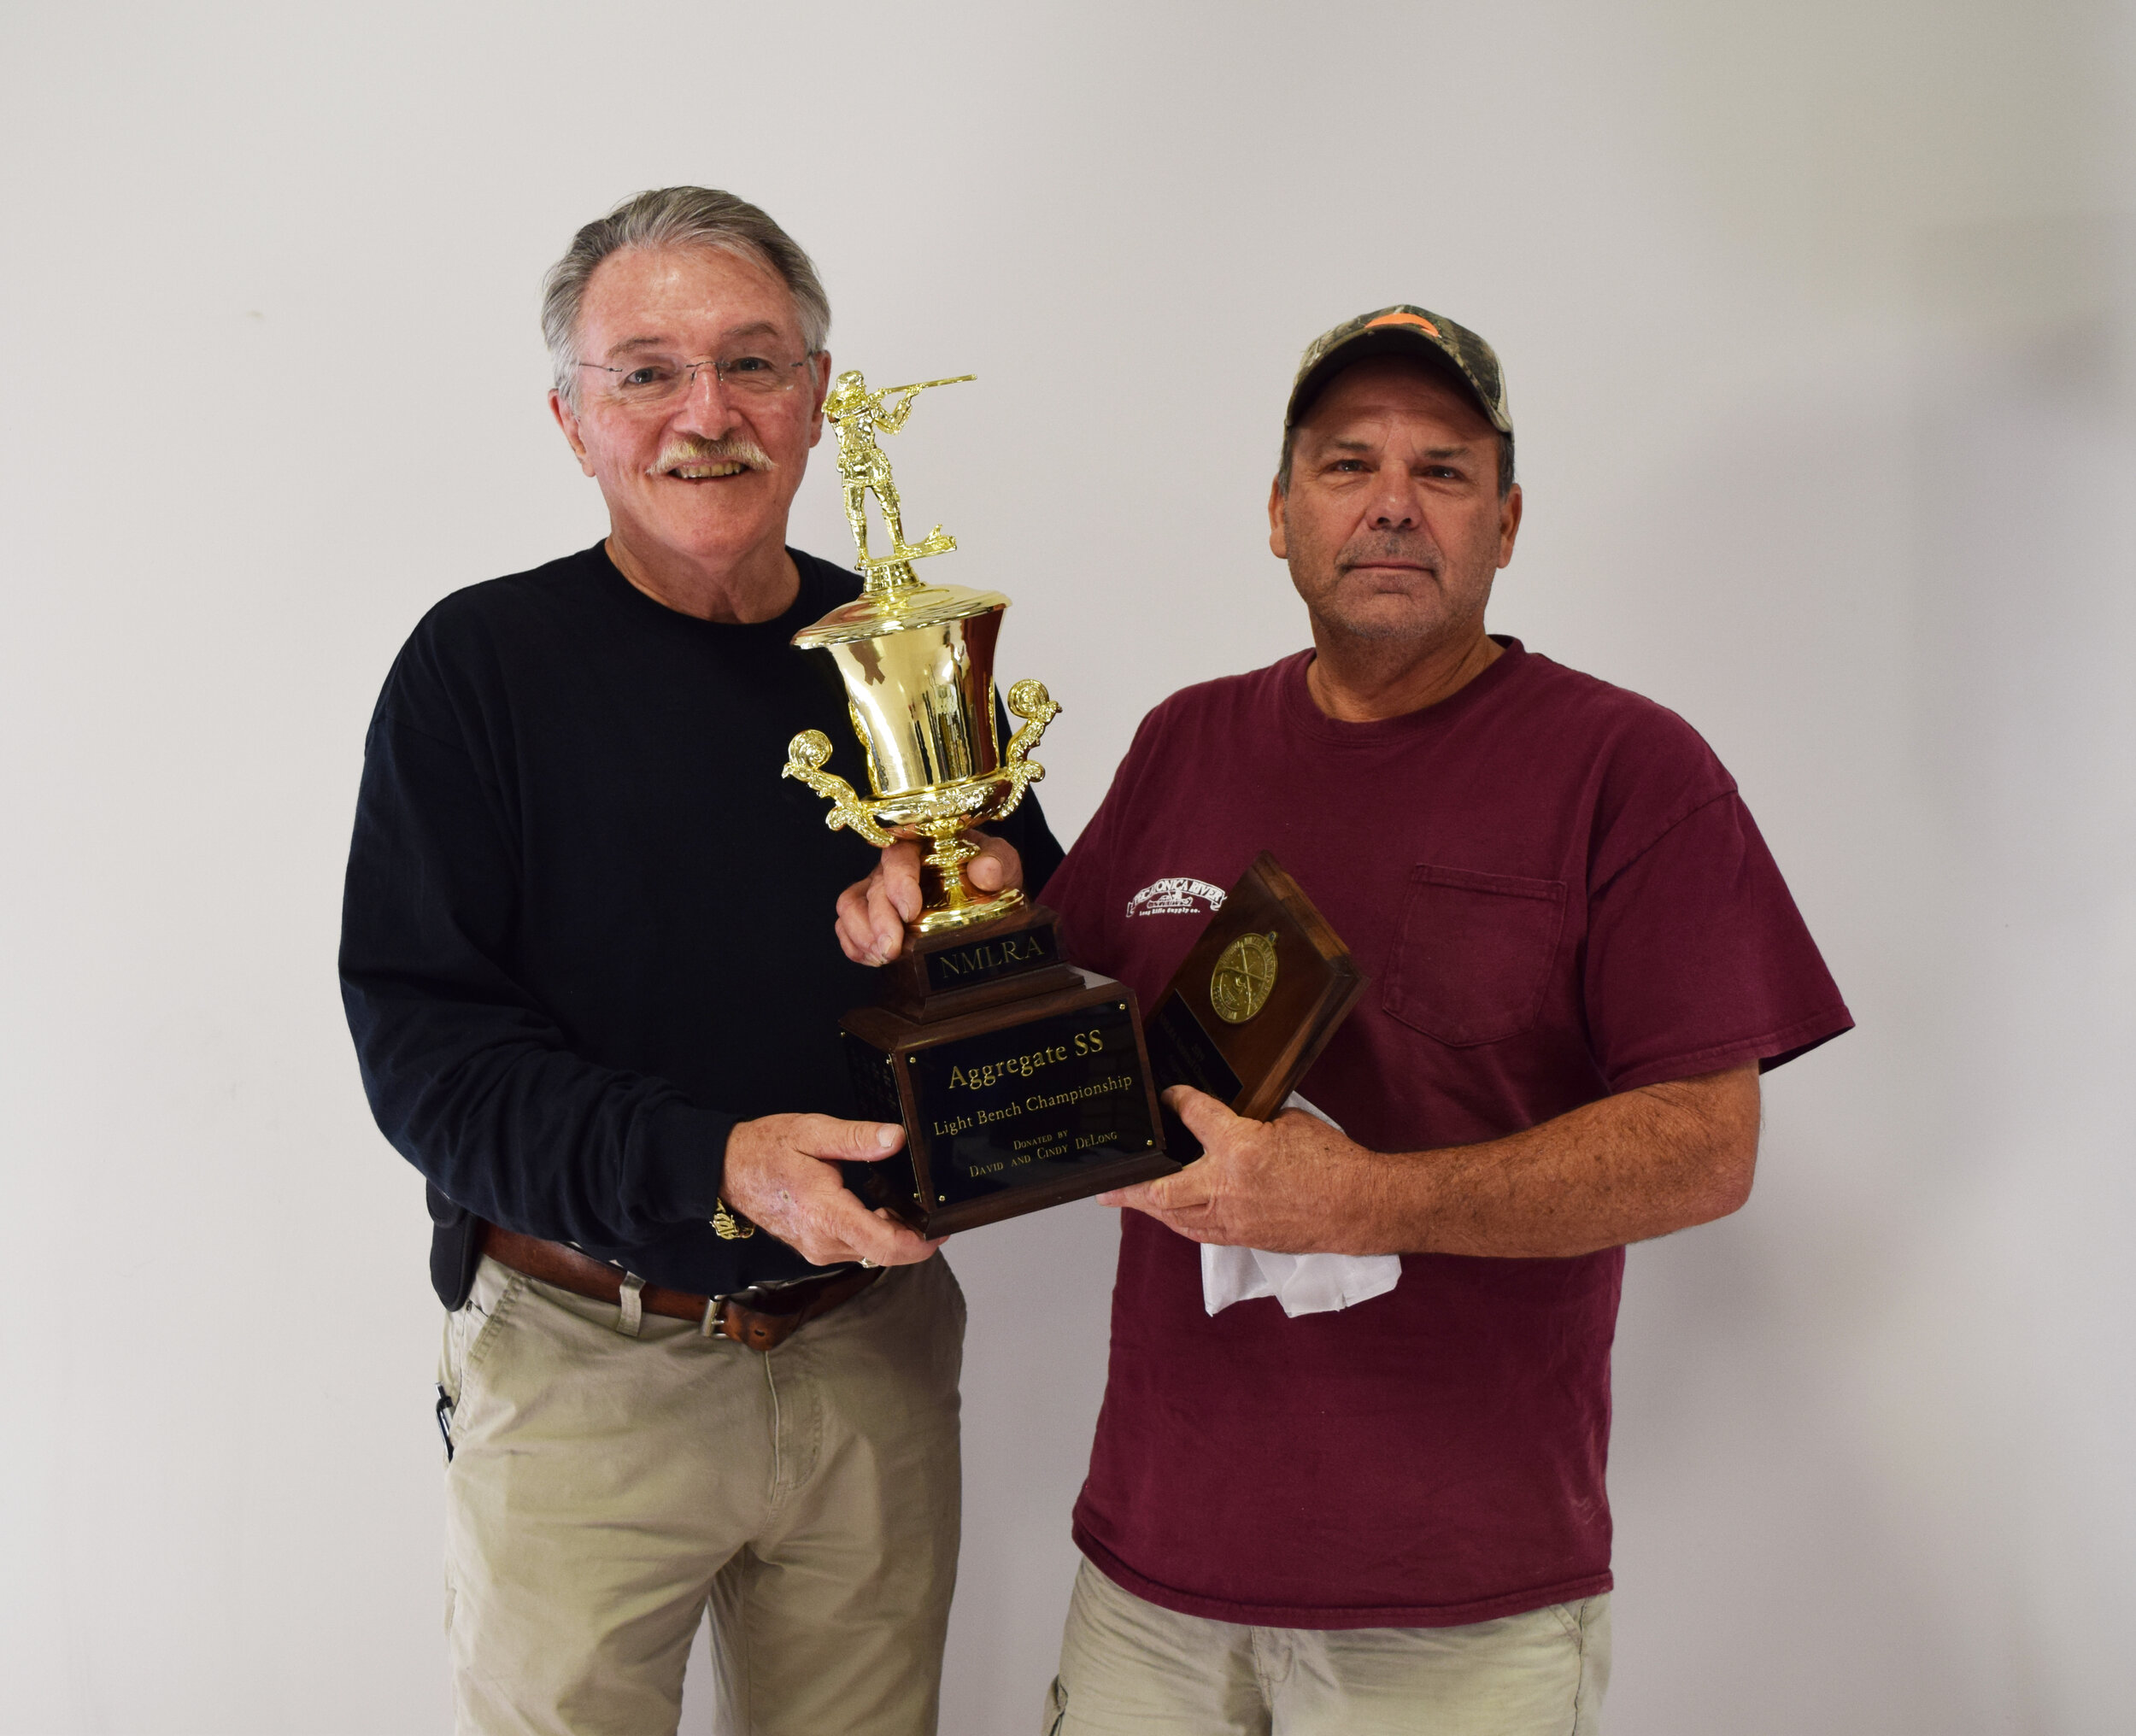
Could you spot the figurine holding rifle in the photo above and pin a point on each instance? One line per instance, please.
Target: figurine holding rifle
(859, 416)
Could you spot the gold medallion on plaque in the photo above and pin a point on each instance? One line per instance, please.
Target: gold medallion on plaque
(1239, 986)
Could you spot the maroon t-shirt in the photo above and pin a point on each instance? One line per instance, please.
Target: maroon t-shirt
(1557, 894)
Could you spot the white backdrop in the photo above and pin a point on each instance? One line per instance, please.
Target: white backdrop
(1815, 321)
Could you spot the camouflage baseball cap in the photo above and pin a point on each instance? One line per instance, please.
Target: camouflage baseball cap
(1398, 331)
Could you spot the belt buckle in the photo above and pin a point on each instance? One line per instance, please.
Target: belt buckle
(780, 1323)
(722, 1316)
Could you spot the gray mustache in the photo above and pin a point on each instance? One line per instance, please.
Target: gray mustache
(733, 448)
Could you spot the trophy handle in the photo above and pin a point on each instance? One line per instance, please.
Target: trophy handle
(805, 757)
(1028, 700)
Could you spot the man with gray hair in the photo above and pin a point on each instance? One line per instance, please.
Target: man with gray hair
(595, 998)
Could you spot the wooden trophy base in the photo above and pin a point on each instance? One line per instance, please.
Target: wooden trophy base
(1021, 1081)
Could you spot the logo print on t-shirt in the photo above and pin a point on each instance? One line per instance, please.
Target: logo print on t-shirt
(1176, 896)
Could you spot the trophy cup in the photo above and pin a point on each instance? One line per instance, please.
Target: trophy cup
(1021, 1081)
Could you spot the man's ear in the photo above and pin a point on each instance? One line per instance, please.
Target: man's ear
(567, 419)
(823, 391)
(1509, 524)
(1278, 545)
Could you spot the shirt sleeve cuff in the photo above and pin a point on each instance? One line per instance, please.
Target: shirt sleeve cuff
(685, 1163)
(1772, 1049)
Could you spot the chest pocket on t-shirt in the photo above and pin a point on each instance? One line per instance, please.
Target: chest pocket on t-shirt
(1473, 955)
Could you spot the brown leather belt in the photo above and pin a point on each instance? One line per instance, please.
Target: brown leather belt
(762, 1319)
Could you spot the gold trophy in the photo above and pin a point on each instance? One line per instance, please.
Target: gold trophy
(918, 663)
(1021, 1081)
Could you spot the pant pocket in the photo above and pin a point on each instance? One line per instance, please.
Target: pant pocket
(471, 1333)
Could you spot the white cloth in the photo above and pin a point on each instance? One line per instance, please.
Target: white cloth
(1303, 1284)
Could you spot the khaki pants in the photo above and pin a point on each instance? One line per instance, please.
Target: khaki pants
(606, 1487)
(1128, 1666)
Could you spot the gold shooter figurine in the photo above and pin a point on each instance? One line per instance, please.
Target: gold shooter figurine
(918, 664)
(858, 415)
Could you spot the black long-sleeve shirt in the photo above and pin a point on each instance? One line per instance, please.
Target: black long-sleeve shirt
(589, 926)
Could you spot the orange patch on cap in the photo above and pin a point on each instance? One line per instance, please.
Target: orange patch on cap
(1415, 319)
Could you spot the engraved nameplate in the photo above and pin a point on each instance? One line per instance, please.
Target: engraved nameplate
(1181, 1053)
(990, 960)
(1029, 1103)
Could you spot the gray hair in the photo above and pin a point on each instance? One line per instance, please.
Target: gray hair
(673, 217)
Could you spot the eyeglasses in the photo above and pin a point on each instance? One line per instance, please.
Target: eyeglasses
(656, 379)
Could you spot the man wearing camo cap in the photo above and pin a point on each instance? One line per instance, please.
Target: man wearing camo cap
(1363, 1490)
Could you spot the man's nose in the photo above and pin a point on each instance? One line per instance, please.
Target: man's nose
(1394, 505)
(705, 407)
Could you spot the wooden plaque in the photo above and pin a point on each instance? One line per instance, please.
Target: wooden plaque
(1253, 1003)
